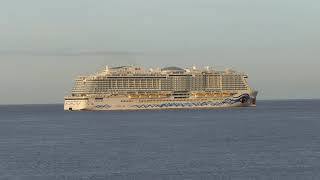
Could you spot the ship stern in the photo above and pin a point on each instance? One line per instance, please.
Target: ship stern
(253, 98)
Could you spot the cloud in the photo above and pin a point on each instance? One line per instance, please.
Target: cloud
(66, 52)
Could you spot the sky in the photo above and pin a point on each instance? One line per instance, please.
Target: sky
(45, 44)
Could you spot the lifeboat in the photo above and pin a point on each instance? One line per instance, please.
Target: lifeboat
(162, 96)
(133, 96)
(142, 96)
(153, 96)
(226, 94)
(201, 95)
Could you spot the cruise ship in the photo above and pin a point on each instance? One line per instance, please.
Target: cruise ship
(134, 88)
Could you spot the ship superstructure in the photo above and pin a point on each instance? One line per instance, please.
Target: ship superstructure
(133, 88)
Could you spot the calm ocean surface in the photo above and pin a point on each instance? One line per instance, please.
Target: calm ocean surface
(276, 140)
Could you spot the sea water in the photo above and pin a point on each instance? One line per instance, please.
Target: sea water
(275, 140)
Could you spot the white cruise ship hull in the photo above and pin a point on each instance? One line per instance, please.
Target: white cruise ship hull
(125, 103)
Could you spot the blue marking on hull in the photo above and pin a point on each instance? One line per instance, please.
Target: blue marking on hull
(106, 106)
(240, 99)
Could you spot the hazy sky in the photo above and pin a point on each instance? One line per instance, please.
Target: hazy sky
(45, 44)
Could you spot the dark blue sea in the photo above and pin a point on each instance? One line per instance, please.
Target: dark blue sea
(276, 140)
